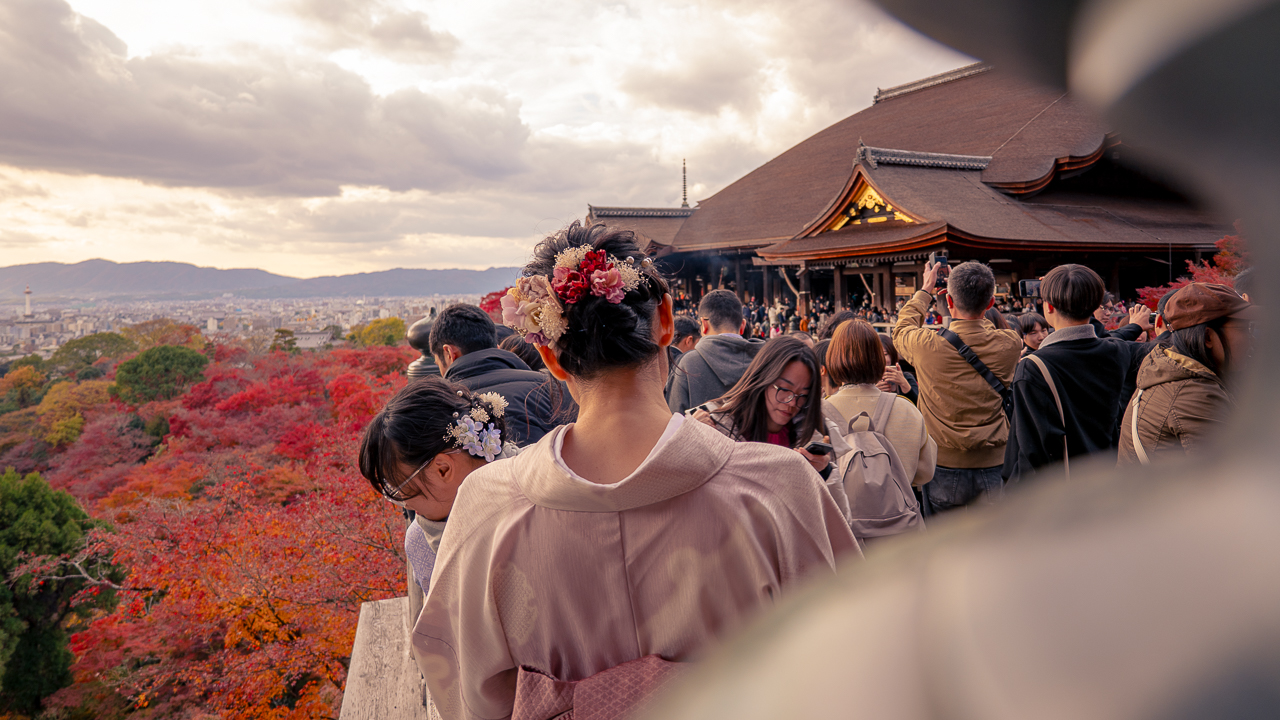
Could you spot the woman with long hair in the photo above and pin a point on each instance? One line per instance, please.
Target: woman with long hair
(630, 533)
(420, 447)
(1184, 391)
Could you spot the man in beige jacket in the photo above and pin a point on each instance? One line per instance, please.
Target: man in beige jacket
(961, 411)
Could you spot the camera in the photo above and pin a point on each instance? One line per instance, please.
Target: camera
(944, 269)
(1029, 288)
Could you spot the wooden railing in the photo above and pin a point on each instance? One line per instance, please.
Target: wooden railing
(383, 682)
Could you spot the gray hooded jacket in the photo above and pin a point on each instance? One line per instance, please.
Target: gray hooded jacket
(708, 370)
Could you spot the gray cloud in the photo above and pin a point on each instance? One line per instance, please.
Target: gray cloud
(377, 27)
(267, 123)
(705, 81)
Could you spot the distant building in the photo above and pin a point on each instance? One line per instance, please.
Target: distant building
(974, 162)
(312, 340)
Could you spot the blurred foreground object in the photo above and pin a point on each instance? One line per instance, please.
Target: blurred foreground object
(419, 335)
(1148, 594)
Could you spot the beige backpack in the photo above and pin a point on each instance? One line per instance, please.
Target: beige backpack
(881, 501)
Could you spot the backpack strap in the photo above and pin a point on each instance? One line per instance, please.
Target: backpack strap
(972, 358)
(1133, 428)
(880, 418)
(1044, 370)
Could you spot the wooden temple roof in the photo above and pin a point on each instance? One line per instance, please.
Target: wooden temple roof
(968, 156)
(655, 227)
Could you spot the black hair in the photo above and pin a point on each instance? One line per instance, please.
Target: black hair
(722, 309)
(410, 430)
(745, 401)
(886, 340)
(465, 327)
(828, 327)
(996, 318)
(686, 327)
(1193, 342)
(525, 351)
(601, 335)
(971, 285)
(1073, 290)
(820, 352)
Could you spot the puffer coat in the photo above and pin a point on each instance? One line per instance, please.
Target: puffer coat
(1180, 402)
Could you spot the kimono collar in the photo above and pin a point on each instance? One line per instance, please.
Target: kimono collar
(689, 459)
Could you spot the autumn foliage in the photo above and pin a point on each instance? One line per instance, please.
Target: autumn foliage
(1232, 257)
(242, 538)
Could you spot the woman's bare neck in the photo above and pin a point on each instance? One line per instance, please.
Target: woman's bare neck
(621, 416)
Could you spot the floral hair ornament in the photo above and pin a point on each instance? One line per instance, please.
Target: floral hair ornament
(533, 306)
(470, 433)
(581, 270)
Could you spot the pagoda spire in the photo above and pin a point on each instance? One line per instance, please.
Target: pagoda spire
(684, 183)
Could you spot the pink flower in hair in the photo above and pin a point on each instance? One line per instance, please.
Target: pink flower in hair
(608, 283)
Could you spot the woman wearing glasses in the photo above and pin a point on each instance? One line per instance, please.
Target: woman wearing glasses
(417, 451)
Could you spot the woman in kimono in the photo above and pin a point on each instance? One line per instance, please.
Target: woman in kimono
(417, 451)
(632, 532)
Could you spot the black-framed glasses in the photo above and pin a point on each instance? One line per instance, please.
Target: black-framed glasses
(785, 396)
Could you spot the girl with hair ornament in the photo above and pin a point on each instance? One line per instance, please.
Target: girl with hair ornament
(633, 534)
(420, 447)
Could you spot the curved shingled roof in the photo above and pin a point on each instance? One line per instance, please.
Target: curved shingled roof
(1028, 131)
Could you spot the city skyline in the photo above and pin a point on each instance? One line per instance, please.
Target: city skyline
(312, 138)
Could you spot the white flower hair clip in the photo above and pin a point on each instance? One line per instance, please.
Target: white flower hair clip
(469, 432)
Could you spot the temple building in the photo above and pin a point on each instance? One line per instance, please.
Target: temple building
(973, 162)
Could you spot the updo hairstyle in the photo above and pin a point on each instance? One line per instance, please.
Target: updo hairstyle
(411, 429)
(601, 335)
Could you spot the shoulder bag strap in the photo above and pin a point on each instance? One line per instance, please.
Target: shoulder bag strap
(1044, 370)
(1133, 428)
(972, 358)
(884, 406)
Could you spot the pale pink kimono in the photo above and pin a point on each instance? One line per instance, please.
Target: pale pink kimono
(542, 569)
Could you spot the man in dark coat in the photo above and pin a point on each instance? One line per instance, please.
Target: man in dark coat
(719, 359)
(464, 345)
(1088, 372)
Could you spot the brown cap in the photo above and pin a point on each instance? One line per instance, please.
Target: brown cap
(1205, 302)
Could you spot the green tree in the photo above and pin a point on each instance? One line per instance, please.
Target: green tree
(161, 373)
(36, 599)
(284, 340)
(387, 331)
(83, 352)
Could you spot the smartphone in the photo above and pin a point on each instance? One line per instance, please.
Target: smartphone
(1029, 288)
(818, 448)
(1154, 315)
(944, 269)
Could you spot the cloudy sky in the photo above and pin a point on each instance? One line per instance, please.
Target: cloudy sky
(315, 137)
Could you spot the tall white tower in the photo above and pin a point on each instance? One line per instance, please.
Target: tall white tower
(28, 294)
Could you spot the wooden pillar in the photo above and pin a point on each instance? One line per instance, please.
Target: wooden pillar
(739, 280)
(767, 277)
(802, 302)
(886, 286)
(837, 288)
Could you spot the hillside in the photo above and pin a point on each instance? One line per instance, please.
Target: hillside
(99, 278)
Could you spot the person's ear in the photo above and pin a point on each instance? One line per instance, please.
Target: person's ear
(452, 352)
(990, 304)
(552, 362)
(951, 304)
(704, 325)
(666, 321)
(742, 327)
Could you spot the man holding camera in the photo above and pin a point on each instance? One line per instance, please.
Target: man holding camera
(963, 410)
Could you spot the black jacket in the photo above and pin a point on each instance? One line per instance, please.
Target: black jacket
(531, 412)
(1090, 374)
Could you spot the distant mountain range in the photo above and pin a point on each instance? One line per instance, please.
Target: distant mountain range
(104, 278)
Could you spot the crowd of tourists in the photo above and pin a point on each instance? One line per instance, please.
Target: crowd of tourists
(615, 488)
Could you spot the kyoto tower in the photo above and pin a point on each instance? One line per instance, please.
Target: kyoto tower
(28, 294)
